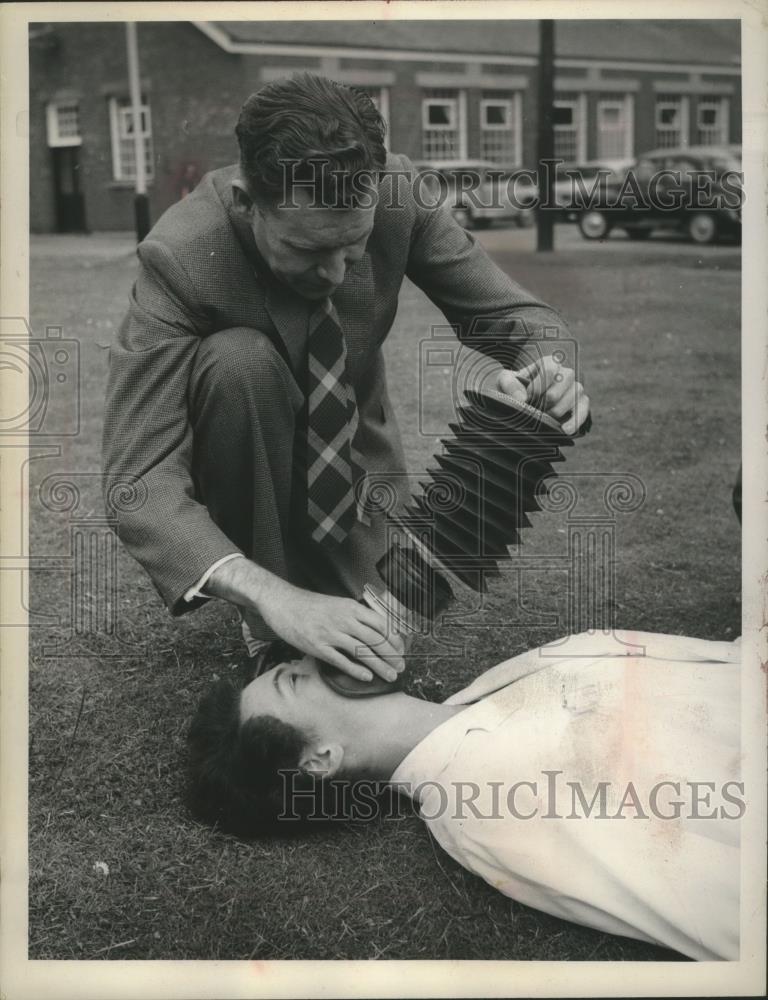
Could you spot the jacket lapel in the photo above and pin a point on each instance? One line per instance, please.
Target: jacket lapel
(287, 310)
(290, 315)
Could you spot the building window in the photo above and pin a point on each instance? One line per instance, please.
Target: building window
(712, 121)
(443, 124)
(63, 124)
(570, 121)
(500, 129)
(615, 127)
(380, 97)
(671, 121)
(123, 149)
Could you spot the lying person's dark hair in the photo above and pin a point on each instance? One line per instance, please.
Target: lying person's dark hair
(233, 767)
(245, 776)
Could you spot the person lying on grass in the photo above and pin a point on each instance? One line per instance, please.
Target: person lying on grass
(600, 787)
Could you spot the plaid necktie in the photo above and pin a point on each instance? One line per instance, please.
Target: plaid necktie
(332, 467)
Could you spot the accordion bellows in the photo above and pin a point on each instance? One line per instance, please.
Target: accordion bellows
(475, 502)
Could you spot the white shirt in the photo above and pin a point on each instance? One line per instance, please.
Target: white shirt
(671, 715)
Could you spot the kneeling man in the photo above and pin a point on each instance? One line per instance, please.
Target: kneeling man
(601, 788)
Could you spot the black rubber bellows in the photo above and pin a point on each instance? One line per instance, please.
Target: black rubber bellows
(475, 501)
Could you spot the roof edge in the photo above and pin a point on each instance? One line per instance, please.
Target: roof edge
(222, 39)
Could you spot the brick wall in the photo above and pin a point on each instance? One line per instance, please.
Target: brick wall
(195, 91)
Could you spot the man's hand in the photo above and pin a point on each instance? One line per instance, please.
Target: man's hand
(550, 387)
(336, 630)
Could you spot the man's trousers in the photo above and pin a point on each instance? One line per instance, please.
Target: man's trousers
(248, 414)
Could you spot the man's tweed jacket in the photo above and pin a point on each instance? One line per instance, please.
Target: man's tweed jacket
(199, 273)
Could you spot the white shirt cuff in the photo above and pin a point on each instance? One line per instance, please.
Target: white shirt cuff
(195, 590)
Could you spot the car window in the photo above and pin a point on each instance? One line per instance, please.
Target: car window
(687, 166)
(646, 168)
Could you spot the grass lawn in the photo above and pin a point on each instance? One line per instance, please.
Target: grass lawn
(117, 869)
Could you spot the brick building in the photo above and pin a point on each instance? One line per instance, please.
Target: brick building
(447, 89)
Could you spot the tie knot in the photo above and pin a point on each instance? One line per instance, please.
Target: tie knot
(323, 310)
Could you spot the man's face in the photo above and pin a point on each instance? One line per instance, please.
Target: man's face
(310, 248)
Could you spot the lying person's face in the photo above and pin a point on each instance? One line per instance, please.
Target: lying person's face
(287, 719)
(296, 694)
(330, 725)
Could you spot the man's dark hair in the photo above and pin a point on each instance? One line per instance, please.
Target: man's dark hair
(309, 128)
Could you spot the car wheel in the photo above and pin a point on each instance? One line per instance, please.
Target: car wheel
(594, 226)
(464, 217)
(637, 234)
(702, 227)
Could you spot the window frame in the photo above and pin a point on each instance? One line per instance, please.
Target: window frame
(676, 106)
(451, 102)
(508, 106)
(54, 137)
(625, 105)
(457, 100)
(119, 115)
(681, 104)
(578, 103)
(720, 104)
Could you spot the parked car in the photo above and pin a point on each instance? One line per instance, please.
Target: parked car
(575, 182)
(480, 192)
(694, 189)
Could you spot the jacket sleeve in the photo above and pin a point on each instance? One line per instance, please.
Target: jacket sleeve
(147, 430)
(490, 311)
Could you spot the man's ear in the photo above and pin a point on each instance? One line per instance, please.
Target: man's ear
(323, 760)
(241, 198)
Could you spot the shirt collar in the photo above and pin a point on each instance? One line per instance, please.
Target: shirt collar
(429, 758)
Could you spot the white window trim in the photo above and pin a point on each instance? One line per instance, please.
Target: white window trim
(451, 102)
(579, 105)
(123, 117)
(666, 106)
(116, 118)
(630, 143)
(508, 106)
(515, 122)
(722, 104)
(462, 124)
(708, 106)
(56, 141)
(627, 107)
(683, 105)
(726, 120)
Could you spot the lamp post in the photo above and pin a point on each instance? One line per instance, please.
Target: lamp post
(546, 135)
(141, 202)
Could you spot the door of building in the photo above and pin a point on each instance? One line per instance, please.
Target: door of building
(69, 203)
